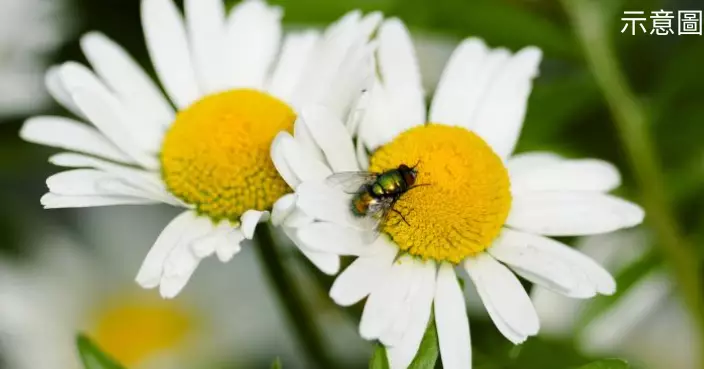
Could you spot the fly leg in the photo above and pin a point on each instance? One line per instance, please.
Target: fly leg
(401, 215)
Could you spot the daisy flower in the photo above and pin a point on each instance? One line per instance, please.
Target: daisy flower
(205, 148)
(29, 31)
(472, 206)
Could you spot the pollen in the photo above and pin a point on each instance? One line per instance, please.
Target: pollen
(216, 157)
(461, 197)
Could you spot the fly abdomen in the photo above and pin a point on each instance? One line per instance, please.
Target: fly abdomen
(361, 203)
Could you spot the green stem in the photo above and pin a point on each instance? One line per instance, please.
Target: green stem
(632, 123)
(300, 317)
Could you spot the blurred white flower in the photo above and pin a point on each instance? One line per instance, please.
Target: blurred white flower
(70, 287)
(29, 31)
(648, 324)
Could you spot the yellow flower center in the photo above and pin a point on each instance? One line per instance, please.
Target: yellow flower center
(461, 197)
(216, 157)
(136, 329)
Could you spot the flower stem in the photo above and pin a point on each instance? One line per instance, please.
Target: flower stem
(632, 123)
(300, 317)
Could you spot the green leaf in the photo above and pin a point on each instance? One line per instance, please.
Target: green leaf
(557, 104)
(379, 359)
(428, 351)
(427, 354)
(607, 364)
(489, 19)
(276, 364)
(92, 357)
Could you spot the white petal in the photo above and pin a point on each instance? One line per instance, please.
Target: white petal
(518, 250)
(464, 81)
(462, 107)
(231, 246)
(451, 321)
(71, 135)
(365, 273)
(224, 241)
(568, 175)
(332, 76)
(206, 245)
(168, 48)
(129, 131)
(58, 91)
(282, 208)
(298, 219)
(377, 126)
(360, 106)
(90, 182)
(75, 160)
(402, 354)
(304, 139)
(253, 37)
(205, 21)
(332, 137)
(147, 181)
(296, 164)
(328, 204)
(386, 298)
(127, 79)
(74, 76)
(500, 116)
(552, 264)
(400, 74)
(556, 213)
(79, 182)
(109, 115)
(278, 157)
(54, 201)
(503, 296)
(413, 312)
(390, 298)
(150, 273)
(354, 75)
(296, 53)
(105, 112)
(326, 262)
(362, 156)
(525, 163)
(250, 219)
(345, 24)
(369, 23)
(181, 262)
(332, 238)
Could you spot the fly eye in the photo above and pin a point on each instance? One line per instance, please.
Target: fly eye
(403, 167)
(409, 177)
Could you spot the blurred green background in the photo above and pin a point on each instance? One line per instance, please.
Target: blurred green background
(578, 108)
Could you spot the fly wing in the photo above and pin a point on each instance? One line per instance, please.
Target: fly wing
(376, 216)
(351, 182)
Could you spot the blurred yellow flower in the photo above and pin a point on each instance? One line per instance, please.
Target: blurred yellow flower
(133, 328)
